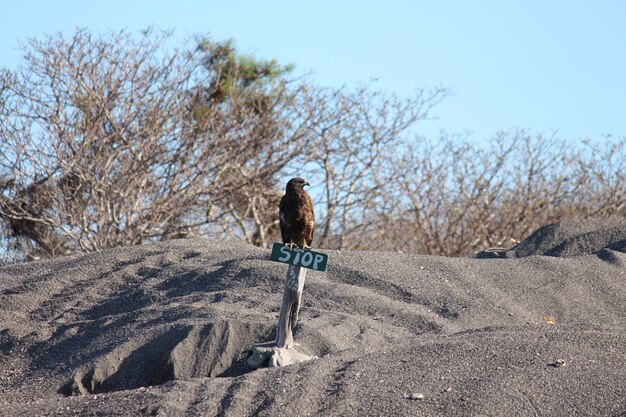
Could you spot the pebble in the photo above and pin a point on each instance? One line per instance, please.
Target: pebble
(558, 363)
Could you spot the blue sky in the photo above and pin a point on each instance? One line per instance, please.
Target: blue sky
(538, 65)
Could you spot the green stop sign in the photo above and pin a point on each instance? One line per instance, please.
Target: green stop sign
(300, 257)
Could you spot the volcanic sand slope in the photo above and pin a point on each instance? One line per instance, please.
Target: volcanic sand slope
(164, 329)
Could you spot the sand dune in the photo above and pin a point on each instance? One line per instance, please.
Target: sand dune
(165, 329)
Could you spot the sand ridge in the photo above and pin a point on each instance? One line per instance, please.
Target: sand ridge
(165, 329)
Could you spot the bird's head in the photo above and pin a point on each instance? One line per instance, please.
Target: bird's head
(297, 183)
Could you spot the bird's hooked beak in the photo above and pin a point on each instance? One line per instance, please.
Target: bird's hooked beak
(305, 184)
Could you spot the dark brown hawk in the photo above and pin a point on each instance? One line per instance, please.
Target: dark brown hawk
(297, 220)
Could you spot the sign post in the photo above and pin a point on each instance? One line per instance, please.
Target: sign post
(280, 352)
(299, 261)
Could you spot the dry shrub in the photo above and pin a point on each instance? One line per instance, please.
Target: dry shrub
(453, 198)
(117, 140)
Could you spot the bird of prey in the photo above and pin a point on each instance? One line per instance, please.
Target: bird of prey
(297, 220)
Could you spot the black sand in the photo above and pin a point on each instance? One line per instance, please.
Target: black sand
(164, 329)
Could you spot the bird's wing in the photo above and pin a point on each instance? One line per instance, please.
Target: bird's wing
(284, 225)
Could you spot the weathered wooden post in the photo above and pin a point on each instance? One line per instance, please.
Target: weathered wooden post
(292, 294)
(281, 352)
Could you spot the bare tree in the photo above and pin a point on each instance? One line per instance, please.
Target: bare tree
(356, 135)
(117, 140)
(113, 141)
(456, 198)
